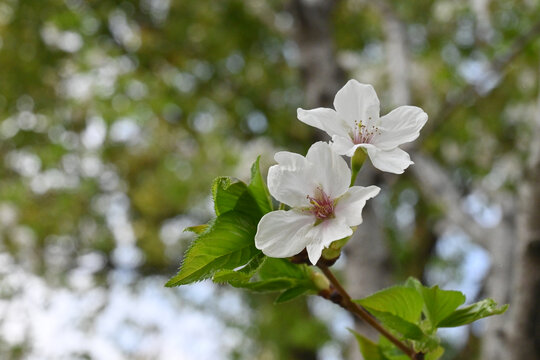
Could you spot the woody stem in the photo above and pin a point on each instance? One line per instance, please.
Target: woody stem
(346, 302)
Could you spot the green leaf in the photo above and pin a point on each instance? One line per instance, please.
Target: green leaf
(275, 284)
(274, 267)
(231, 276)
(279, 274)
(242, 275)
(389, 351)
(253, 265)
(404, 327)
(291, 293)
(435, 354)
(197, 229)
(226, 192)
(473, 312)
(273, 275)
(259, 190)
(231, 194)
(227, 244)
(397, 307)
(440, 303)
(413, 283)
(400, 301)
(369, 350)
(427, 344)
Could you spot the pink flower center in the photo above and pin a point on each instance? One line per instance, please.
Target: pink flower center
(322, 206)
(363, 134)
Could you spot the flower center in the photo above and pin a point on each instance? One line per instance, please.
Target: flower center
(322, 206)
(363, 134)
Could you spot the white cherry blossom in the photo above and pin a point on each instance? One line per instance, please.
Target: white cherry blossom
(323, 207)
(355, 123)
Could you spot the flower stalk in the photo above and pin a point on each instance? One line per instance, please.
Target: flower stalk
(343, 299)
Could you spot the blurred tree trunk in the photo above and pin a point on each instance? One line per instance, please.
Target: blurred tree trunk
(321, 74)
(515, 274)
(484, 30)
(368, 258)
(397, 56)
(369, 262)
(437, 186)
(498, 285)
(525, 319)
(367, 267)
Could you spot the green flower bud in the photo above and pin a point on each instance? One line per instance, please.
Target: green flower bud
(358, 159)
(333, 251)
(320, 281)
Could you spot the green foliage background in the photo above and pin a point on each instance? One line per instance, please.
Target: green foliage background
(143, 103)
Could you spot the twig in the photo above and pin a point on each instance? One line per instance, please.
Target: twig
(345, 301)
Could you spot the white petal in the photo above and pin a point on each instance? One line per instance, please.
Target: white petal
(344, 145)
(394, 161)
(291, 180)
(290, 160)
(357, 102)
(330, 170)
(400, 126)
(322, 235)
(324, 119)
(283, 233)
(291, 185)
(314, 251)
(350, 205)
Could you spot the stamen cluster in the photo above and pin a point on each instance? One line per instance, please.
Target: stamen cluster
(322, 205)
(363, 134)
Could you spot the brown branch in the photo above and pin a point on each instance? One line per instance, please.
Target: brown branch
(343, 299)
